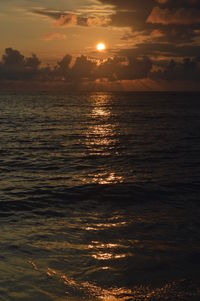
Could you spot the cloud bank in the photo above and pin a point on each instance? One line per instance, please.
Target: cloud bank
(14, 66)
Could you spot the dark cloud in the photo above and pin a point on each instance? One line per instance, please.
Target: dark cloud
(125, 68)
(128, 66)
(14, 66)
(133, 19)
(32, 63)
(157, 49)
(130, 13)
(187, 70)
(62, 69)
(110, 68)
(179, 3)
(82, 69)
(176, 35)
(176, 12)
(181, 16)
(13, 59)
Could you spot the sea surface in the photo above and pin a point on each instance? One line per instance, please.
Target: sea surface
(99, 197)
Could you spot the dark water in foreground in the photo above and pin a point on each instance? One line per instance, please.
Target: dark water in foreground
(99, 197)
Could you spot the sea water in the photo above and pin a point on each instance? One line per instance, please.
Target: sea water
(99, 196)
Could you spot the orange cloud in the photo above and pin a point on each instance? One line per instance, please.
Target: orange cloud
(66, 20)
(98, 21)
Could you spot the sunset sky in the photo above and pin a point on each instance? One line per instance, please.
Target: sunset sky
(161, 34)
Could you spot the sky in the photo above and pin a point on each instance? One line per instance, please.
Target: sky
(148, 42)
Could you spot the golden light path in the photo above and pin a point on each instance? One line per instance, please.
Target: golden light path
(101, 140)
(101, 46)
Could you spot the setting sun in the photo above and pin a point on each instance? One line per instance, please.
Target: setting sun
(101, 46)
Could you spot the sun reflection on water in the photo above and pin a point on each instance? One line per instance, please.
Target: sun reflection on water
(99, 111)
(97, 227)
(106, 251)
(107, 178)
(99, 245)
(85, 290)
(102, 139)
(108, 256)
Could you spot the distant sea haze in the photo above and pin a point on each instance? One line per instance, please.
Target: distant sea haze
(99, 196)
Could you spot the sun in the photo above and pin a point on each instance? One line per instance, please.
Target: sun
(101, 46)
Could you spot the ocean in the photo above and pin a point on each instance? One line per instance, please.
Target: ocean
(99, 196)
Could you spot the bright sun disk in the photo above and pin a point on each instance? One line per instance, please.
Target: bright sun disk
(101, 46)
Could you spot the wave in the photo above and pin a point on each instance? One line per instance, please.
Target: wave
(51, 200)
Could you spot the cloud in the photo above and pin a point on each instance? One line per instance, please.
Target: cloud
(130, 13)
(98, 21)
(137, 68)
(180, 16)
(138, 37)
(135, 13)
(54, 36)
(187, 4)
(187, 70)
(62, 69)
(127, 67)
(83, 68)
(32, 63)
(63, 19)
(167, 50)
(14, 66)
(67, 19)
